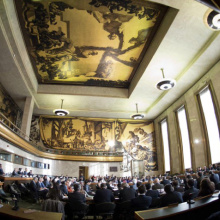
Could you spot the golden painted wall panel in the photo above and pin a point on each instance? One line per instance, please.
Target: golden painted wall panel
(105, 137)
(88, 42)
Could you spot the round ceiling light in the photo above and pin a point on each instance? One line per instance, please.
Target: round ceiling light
(165, 83)
(212, 20)
(138, 115)
(61, 112)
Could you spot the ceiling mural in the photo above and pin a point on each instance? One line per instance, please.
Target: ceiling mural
(88, 42)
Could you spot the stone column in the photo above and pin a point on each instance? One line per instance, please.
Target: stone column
(27, 116)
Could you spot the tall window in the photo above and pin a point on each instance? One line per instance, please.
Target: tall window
(211, 124)
(184, 133)
(166, 148)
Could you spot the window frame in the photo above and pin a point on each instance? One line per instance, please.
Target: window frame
(179, 137)
(162, 143)
(203, 121)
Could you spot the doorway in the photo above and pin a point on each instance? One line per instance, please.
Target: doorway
(84, 170)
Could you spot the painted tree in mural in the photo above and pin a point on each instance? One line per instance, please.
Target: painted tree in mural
(52, 48)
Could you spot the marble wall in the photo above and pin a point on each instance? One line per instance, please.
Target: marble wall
(198, 143)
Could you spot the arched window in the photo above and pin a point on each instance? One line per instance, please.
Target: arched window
(210, 123)
(184, 137)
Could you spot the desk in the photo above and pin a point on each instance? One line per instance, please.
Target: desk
(202, 207)
(7, 213)
(1, 184)
(10, 180)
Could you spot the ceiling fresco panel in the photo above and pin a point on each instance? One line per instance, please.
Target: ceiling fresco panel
(88, 42)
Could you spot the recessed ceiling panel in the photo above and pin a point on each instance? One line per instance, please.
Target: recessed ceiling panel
(88, 42)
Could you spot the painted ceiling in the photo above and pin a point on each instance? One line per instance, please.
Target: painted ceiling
(179, 42)
(88, 42)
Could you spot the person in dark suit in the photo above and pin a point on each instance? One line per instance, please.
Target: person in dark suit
(76, 196)
(192, 192)
(176, 186)
(33, 188)
(170, 197)
(63, 188)
(103, 195)
(127, 193)
(75, 200)
(1, 170)
(214, 177)
(142, 202)
(200, 177)
(88, 189)
(154, 194)
(157, 184)
(165, 181)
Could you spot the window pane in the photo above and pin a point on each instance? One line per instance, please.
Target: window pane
(181, 114)
(166, 149)
(211, 124)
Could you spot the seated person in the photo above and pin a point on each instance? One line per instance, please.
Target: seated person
(25, 172)
(176, 186)
(142, 202)
(103, 195)
(42, 190)
(34, 189)
(1, 170)
(63, 188)
(20, 171)
(54, 192)
(46, 182)
(15, 172)
(157, 185)
(170, 197)
(192, 192)
(88, 189)
(206, 187)
(127, 193)
(30, 174)
(150, 192)
(165, 181)
(76, 202)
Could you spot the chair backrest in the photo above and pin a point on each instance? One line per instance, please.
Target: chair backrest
(80, 207)
(106, 207)
(124, 206)
(50, 205)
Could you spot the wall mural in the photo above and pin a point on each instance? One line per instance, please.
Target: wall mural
(9, 109)
(88, 42)
(68, 134)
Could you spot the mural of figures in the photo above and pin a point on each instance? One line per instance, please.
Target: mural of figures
(10, 109)
(134, 140)
(88, 42)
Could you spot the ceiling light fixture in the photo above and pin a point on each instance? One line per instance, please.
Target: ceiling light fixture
(212, 20)
(165, 83)
(137, 116)
(61, 112)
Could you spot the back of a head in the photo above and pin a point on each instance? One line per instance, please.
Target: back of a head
(190, 182)
(156, 180)
(175, 183)
(139, 184)
(199, 173)
(142, 189)
(124, 185)
(103, 186)
(148, 186)
(76, 187)
(168, 188)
